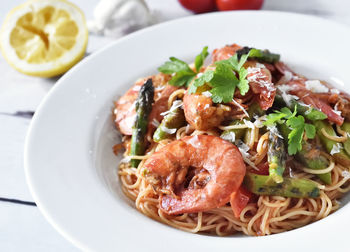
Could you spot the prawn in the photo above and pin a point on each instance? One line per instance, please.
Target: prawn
(196, 173)
(259, 77)
(201, 113)
(125, 112)
(225, 52)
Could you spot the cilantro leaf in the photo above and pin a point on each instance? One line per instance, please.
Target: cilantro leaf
(234, 62)
(275, 117)
(295, 138)
(183, 74)
(242, 60)
(310, 130)
(236, 65)
(199, 60)
(224, 83)
(243, 84)
(175, 65)
(181, 79)
(288, 112)
(223, 80)
(200, 81)
(315, 114)
(296, 122)
(223, 93)
(272, 118)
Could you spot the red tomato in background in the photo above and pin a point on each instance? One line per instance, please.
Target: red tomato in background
(225, 5)
(198, 6)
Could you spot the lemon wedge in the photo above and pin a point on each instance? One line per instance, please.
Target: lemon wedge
(44, 37)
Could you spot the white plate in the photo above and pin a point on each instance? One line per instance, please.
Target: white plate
(69, 163)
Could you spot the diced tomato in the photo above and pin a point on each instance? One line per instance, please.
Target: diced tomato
(263, 169)
(239, 200)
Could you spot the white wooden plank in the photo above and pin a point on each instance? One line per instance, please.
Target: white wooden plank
(23, 228)
(12, 179)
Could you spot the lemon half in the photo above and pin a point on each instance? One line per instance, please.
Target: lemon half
(44, 37)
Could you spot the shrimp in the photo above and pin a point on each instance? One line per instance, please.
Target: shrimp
(125, 112)
(201, 113)
(225, 52)
(196, 173)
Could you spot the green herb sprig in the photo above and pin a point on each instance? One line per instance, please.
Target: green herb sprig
(181, 71)
(223, 80)
(297, 125)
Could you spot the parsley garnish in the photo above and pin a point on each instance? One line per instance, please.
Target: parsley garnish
(182, 73)
(314, 114)
(198, 62)
(297, 125)
(223, 79)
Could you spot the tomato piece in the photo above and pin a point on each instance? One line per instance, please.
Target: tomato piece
(199, 6)
(226, 5)
(239, 200)
(263, 169)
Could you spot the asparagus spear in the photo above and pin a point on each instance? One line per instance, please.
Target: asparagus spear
(174, 120)
(234, 134)
(341, 156)
(276, 157)
(260, 55)
(143, 109)
(346, 127)
(293, 188)
(309, 156)
(254, 109)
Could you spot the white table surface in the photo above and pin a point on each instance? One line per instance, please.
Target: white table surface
(22, 227)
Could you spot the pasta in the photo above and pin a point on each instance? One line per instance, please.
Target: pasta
(258, 138)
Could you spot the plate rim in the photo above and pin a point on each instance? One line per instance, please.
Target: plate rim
(33, 123)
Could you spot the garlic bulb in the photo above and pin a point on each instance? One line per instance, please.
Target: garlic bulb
(116, 18)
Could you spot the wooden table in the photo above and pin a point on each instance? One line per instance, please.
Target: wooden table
(22, 227)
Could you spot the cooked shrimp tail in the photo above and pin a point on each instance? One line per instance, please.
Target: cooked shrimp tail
(200, 173)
